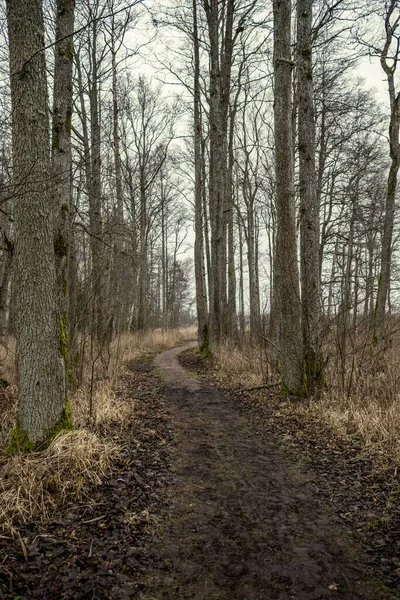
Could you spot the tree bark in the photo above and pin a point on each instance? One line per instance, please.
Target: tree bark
(95, 208)
(313, 370)
(286, 266)
(201, 291)
(394, 130)
(41, 377)
(61, 155)
(119, 288)
(220, 76)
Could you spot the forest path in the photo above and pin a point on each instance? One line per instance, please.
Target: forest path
(242, 521)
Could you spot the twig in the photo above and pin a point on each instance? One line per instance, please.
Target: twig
(261, 387)
(269, 341)
(95, 519)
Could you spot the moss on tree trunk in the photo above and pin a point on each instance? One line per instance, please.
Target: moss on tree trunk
(19, 439)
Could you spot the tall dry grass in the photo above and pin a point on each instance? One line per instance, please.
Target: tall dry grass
(129, 346)
(32, 484)
(361, 400)
(245, 366)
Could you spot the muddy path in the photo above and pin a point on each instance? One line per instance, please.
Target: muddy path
(241, 521)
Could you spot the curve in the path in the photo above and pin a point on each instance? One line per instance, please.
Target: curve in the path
(242, 521)
(173, 373)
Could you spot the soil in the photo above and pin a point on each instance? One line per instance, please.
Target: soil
(205, 504)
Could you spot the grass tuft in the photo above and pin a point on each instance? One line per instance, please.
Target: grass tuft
(32, 484)
(361, 400)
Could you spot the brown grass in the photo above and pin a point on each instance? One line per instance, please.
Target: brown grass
(31, 485)
(361, 402)
(128, 346)
(244, 366)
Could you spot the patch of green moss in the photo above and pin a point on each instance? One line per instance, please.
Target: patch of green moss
(161, 374)
(314, 375)
(195, 375)
(19, 440)
(284, 391)
(63, 424)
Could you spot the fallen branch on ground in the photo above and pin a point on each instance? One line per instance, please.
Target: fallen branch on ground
(261, 387)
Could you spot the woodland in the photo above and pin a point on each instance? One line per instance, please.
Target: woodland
(218, 176)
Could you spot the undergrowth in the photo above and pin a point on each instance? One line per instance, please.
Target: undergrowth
(361, 400)
(33, 484)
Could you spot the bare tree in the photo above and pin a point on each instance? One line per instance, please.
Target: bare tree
(42, 408)
(389, 57)
(286, 274)
(309, 208)
(201, 291)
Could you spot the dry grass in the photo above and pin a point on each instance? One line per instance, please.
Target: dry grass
(31, 485)
(362, 402)
(108, 407)
(243, 366)
(128, 346)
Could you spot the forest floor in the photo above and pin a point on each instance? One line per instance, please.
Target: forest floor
(218, 495)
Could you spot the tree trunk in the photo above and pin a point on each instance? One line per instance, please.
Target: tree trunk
(95, 208)
(201, 292)
(394, 129)
(286, 266)
(61, 155)
(41, 378)
(231, 307)
(5, 287)
(221, 47)
(119, 289)
(313, 370)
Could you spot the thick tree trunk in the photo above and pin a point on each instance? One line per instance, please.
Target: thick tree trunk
(313, 370)
(216, 176)
(242, 324)
(61, 155)
(143, 299)
(221, 48)
(286, 266)
(386, 250)
(252, 252)
(41, 376)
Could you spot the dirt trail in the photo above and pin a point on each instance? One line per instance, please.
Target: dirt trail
(243, 523)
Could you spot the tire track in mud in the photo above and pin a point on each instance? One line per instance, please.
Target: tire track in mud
(243, 522)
